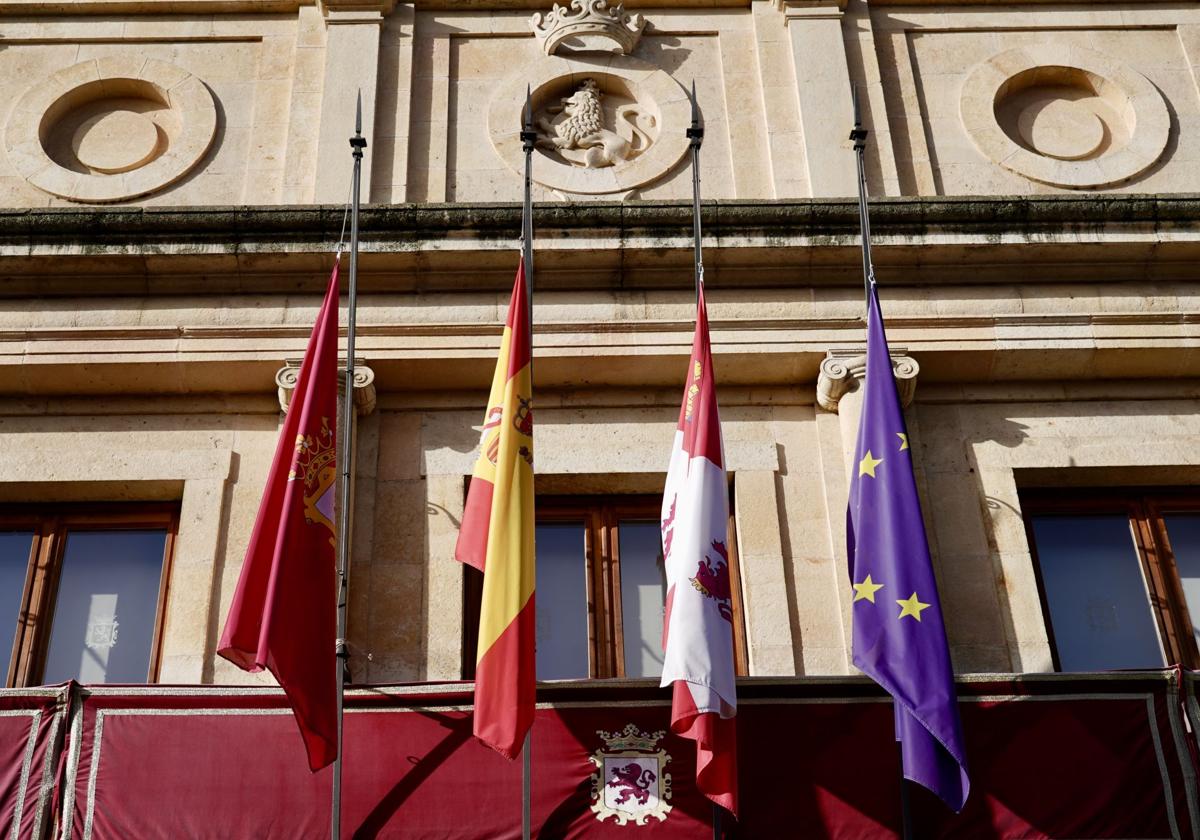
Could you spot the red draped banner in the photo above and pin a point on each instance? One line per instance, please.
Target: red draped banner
(1052, 756)
(31, 728)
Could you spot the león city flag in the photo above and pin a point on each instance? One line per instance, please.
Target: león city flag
(283, 615)
(698, 625)
(497, 539)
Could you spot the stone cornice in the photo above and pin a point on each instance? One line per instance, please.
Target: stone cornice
(909, 216)
(140, 7)
(763, 243)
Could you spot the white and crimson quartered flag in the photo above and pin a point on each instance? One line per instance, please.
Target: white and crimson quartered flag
(497, 538)
(698, 626)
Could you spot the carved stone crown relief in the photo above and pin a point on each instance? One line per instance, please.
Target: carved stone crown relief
(606, 122)
(588, 26)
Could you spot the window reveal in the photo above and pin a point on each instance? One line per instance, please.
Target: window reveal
(1119, 576)
(82, 592)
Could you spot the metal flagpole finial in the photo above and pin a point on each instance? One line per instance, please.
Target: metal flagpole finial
(858, 134)
(358, 142)
(696, 132)
(528, 135)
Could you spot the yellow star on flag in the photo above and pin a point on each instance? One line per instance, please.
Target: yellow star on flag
(911, 606)
(868, 464)
(903, 440)
(866, 590)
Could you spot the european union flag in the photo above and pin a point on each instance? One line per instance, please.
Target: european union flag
(899, 637)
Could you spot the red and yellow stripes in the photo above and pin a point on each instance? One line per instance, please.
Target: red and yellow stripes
(497, 538)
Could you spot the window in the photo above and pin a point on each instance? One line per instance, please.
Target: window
(1119, 574)
(601, 587)
(82, 592)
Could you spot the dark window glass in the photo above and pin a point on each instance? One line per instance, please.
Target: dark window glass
(14, 560)
(643, 594)
(562, 602)
(1095, 591)
(106, 606)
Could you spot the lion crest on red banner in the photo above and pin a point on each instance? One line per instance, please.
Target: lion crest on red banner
(630, 782)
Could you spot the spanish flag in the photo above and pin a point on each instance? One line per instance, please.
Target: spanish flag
(497, 539)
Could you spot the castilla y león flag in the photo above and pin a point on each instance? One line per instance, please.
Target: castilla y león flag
(497, 538)
(283, 616)
(698, 626)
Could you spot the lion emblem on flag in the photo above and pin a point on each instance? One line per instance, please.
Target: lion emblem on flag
(712, 580)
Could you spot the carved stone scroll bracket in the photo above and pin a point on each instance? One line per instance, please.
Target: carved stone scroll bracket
(364, 385)
(842, 372)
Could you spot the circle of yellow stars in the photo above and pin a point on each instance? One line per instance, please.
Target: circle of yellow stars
(865, 591)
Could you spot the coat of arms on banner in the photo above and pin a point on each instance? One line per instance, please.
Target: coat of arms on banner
(631, 782)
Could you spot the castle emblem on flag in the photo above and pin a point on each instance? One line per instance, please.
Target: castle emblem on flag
(315, 464)
(630, 781)
(712, 580)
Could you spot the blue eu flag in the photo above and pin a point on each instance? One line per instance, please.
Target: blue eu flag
(899, 637)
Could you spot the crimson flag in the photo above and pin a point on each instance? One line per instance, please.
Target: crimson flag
(284, 614)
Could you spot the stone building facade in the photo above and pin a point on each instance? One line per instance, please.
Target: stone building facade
(172, 186)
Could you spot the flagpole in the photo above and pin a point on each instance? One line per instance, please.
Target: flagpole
(859, 135)
(357, 144)
(528, 139)
(695, 135)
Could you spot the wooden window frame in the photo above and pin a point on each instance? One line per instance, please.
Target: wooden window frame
(601, 517)
(1145, 509)
(50, 525)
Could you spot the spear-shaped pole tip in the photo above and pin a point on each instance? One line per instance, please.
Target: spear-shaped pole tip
(858, 134)
(358, 142)
(528, 135)
(696, 133)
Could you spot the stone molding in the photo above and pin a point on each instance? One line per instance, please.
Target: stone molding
(843, 370)
(1007, 240)
(794, 9)
(232, 228)
(342, 11)
(160, 7)
(364, 385)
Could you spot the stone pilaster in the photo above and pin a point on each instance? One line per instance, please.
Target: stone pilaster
(823, 86)
(840, 391)
(352, 32)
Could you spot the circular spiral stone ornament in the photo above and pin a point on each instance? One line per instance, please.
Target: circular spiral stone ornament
(1066, 116)
(111, 129)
